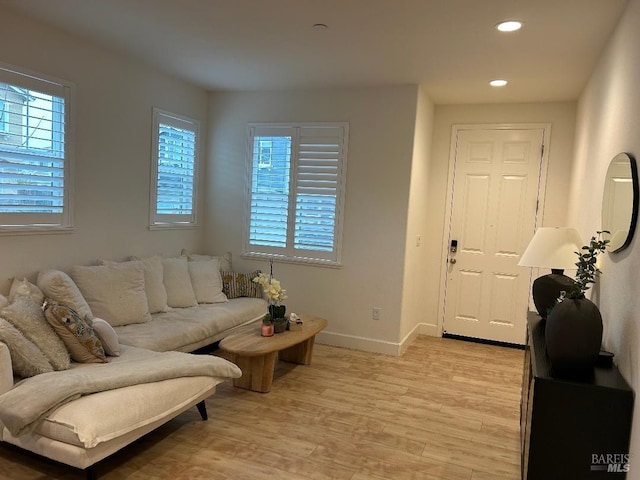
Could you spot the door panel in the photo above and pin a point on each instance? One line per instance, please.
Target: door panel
(493, 218)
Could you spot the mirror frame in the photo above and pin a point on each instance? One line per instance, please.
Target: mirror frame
(634, 208)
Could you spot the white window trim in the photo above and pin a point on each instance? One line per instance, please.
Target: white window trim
(181, 121)
(340, 201)
(34, 80)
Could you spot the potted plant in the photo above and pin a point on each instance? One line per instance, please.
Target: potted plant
(275, 294)
(573, 331)
(267, 326)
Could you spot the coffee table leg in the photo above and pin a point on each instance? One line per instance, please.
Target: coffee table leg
(257, 372)
(300, 353)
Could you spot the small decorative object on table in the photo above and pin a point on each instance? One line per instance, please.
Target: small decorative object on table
(274, 293)
(295, 322)
(573, 332)
(267, 326)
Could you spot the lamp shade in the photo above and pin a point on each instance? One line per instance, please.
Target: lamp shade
(552, 247)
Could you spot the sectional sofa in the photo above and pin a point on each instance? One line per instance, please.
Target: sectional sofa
(126, 329)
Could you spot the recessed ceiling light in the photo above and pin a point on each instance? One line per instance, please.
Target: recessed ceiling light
(320, 26)
(509, 26)
(498, 83)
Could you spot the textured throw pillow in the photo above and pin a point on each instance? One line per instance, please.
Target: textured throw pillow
(236, 285)
(107, 336)
(225, 260)
(206, 281)
(3, 301)
(25, 313)
(26, 359)
(59, 287)
(78, 335)
(153, 282)
(25, 288)
(114, 292)
(178, 282)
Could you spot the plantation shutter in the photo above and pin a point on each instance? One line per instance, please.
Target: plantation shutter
(33, 151)
(297, 175)
(175, 152)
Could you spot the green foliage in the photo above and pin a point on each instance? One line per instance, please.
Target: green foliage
(586, 264)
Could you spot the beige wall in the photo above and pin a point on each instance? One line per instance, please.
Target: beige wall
(416, 259)
(561, 116)
(112, 104)
(381, 127)
(608, 123)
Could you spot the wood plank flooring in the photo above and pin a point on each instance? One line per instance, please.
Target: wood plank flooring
(447, 409)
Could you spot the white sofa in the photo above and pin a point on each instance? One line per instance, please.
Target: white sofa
(87, 429)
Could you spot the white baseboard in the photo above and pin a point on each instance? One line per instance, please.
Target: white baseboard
(373, 345)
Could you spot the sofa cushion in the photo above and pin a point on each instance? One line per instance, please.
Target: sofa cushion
(114, 292)
(77, 335)
(177, 281)
(236, 285)
(26, 359)
(107, 335)
(153, 281)
(25, 313)
(59, 287)
(224, 260)
(186, 329)
(206, 281)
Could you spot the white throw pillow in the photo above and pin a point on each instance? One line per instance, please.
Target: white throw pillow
(225, 259)
(153, 281)
(26, 289)
(178, 282)
(114, 292)
(206, 281)
(59, 287)
(108, 336)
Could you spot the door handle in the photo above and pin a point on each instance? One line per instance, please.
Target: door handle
(452, 261)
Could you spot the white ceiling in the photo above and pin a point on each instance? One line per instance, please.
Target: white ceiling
(449, 46)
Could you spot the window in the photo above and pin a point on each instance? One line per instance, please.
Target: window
(34, 152)
(296, 187)
(174, 170)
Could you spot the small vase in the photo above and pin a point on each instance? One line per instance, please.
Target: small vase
(277, 311)
(573, 334)
(267, 330)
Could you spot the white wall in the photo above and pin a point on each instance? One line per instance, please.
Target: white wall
(416, 259)
(381, 127)
(113, 99)
(561, 116)
(608, 123)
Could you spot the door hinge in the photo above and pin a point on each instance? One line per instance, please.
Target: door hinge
(542, 150)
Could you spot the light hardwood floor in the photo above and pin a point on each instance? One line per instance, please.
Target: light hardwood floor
(447, 409)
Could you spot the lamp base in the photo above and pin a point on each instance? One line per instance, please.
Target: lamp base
(546, 290)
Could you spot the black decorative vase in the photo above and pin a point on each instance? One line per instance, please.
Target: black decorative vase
(573, 334)
(277, 311)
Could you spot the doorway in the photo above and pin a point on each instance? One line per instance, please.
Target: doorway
(494, 196)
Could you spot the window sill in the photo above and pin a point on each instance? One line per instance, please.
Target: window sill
(173, 226)
(295, 260)
(34, 230)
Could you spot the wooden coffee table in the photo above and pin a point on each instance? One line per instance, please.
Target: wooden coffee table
(256, 355)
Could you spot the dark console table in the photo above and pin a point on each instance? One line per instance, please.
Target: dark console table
(565, 422)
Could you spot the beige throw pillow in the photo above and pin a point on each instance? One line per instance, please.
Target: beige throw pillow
(25, 313)
(225, 259)
(114, 292)
(26, 359)
(153, 281)
(206, 281)
(78, 335)
(59, 287)
(108, 337)
(178, 282)
(25, 288)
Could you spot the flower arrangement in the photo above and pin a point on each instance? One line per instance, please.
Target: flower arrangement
(271, 287)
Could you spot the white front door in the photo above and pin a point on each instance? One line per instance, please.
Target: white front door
(493, 218)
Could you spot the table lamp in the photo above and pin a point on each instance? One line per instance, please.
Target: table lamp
(554, 248)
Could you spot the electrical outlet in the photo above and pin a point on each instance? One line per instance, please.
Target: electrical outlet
(375, 313)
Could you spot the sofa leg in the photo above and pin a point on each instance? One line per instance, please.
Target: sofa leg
(91, 473)
(202, 408)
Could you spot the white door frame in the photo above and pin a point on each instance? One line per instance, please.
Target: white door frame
(542, 184)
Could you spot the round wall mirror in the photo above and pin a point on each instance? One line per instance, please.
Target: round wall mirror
(620, 201)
